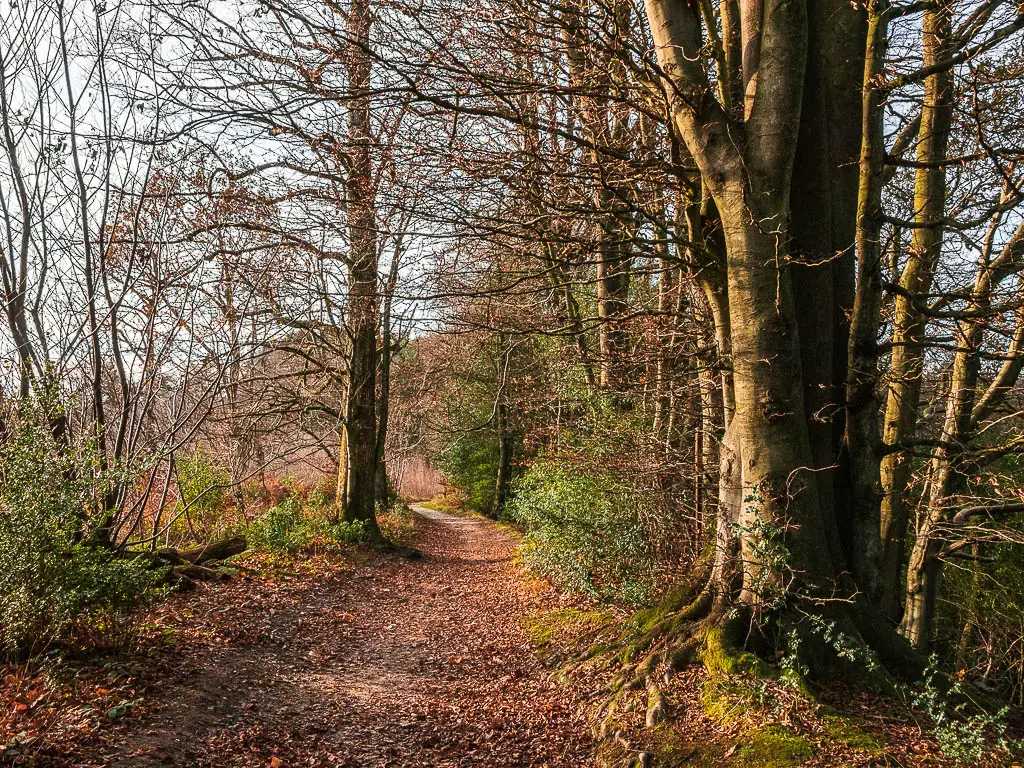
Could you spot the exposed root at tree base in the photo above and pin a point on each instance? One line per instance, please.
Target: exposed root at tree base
(689, 683)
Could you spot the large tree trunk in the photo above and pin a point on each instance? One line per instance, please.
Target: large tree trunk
(791, 551)
(781, 495)
(823, 231)
(781, 499)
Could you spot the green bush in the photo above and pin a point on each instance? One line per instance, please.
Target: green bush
(290, 527)
(981, 626)
(319, 501)
(281, 527)
(53, 578)
(344, 532)
(586, 532)
(964, 736)
(470, 463)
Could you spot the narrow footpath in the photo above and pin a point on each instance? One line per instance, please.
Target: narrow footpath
(396, 663)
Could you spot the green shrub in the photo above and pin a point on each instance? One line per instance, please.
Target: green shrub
(964, 736)
(470, 463)
(586, 532)
(319, 502)
(290, 526)
(980, 629)
(344, 532)
(281, 527)
(53, 578)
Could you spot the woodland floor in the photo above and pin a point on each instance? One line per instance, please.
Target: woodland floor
(383, 661)
(356, 659)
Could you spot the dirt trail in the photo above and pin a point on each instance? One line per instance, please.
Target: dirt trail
(398, 663)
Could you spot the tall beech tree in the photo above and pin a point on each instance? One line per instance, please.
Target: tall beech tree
(764, 100)
(363, 298)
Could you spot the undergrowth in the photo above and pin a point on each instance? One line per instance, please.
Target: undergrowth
(585, 532)
(58, 584)
(289, 527)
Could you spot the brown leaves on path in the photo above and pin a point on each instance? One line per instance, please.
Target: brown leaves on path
(388, 663)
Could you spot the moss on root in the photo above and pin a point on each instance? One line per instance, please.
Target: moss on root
(722, 659)
(674, 612)
(772, 746)
(739, 694)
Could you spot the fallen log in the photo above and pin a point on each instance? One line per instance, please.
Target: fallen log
(217, 550)
(200, 573)
(185, 567)
(169, 555)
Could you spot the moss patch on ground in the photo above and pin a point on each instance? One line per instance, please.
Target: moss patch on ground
(774, 746)
(722, 703)
(848, 731)
(551, 630)
(671, 748)
(668, 614)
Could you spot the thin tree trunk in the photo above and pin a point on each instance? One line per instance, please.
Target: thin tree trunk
(108, 502)
(613, 214)
(706, 260)
(504, 475)
(363, 306)
(384, 403)
(950, 461)
(862, 437)
(909, 324)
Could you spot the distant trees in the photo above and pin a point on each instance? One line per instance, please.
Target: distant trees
(293, 89)
(85, 291)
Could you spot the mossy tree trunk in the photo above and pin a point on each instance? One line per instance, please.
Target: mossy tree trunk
(862, 438)
(789, 267)
(909, 321)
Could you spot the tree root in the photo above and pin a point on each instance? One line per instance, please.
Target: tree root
(722, 636)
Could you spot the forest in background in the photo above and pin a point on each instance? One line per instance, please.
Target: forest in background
(719, 301)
